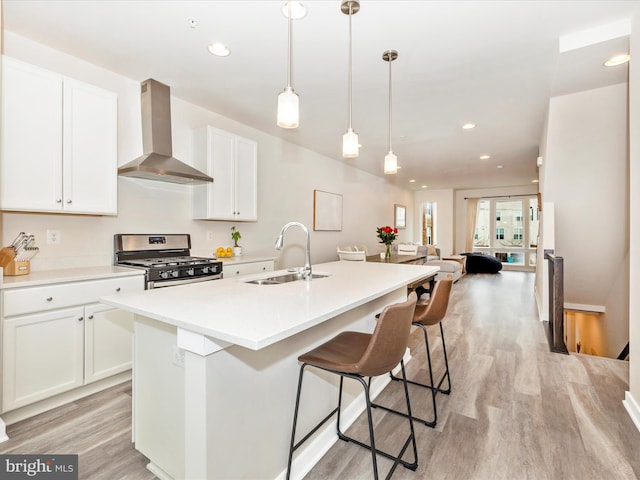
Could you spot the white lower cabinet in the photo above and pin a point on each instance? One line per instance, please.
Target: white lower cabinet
(238, 269)
(57, 338)
(107, 342)
(42, 356)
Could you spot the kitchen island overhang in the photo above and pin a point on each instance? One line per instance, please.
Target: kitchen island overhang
(225, 410)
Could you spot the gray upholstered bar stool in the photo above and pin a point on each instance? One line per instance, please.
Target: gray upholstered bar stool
(426, 315)
(357, 355)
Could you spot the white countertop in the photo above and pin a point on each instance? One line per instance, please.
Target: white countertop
(47, 277)
(255, 316)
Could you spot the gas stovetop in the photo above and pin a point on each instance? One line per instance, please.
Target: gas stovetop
(167, 261)
(165, 258)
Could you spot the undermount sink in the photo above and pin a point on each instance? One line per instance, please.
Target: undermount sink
(284, 278)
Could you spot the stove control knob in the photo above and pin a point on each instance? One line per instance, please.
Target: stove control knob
(174, 273)
(191, 271)
(164, 274)
(205, 269)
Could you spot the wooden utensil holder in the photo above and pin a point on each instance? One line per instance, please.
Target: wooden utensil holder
(18, 268)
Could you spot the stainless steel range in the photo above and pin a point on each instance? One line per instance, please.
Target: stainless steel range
(165, 258)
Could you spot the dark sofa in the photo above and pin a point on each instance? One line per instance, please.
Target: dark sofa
(480, 263)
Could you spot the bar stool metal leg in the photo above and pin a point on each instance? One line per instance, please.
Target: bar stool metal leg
(411, 439)
(357, 355)
(435, 389)
(427, 315)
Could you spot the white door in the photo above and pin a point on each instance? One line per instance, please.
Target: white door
(43, 356)
(90, 160)
(31, 143)
(221, 194)
(108, 341)
(246, 180)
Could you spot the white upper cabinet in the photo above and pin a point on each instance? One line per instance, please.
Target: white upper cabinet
(90, 156)
(232, 161)
(59, 143)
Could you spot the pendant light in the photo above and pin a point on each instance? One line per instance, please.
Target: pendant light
(288, 114)
(390, 159)
(350, 144)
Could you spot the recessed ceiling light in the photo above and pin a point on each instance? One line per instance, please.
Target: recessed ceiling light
(617, 60)
(485, 157)
(535, 180)
(424, 186)
(219, 49)
(498, 166)
(469, 126)
(412, 181)
(298, 10)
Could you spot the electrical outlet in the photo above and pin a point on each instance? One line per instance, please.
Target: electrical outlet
(210, 236)
(178, 356)
(54, 237)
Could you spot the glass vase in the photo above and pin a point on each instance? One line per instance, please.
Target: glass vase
(387, 253)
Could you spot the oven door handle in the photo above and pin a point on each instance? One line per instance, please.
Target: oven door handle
(182, 281)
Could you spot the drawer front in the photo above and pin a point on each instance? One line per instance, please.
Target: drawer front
(247, 268)
(21, 301)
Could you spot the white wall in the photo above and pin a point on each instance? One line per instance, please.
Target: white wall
(461, 206)
(585, 176)
(634, 225)
(444, 217)
(287, 176)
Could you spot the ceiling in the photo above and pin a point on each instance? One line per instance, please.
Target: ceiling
(492, 63)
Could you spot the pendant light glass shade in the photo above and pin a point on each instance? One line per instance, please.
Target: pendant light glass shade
(288, 113)
(350, 145)
(288, 109)
(390, 163)
(390, 159)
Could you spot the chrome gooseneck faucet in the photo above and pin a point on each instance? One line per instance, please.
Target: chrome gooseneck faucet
(306, 270)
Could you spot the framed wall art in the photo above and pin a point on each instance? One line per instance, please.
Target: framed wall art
(327, 211)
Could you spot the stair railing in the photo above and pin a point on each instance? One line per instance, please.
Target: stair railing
(555, 324)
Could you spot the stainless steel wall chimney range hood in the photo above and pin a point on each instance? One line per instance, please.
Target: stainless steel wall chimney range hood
(157, 162)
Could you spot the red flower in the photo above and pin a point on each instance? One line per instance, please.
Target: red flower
(386, 234)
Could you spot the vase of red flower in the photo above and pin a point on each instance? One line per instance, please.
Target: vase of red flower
(387, 235)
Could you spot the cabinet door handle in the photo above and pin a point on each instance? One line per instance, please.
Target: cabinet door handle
(49, 299)
(90, 317)
(58, 200)
(80, 319)
(118, 289)
(69, 201)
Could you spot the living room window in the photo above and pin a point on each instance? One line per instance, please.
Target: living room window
(512, 237)
(429, 218)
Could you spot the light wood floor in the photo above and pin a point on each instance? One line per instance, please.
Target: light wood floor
(516, 411)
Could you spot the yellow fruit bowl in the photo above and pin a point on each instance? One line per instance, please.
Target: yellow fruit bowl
(222, 252)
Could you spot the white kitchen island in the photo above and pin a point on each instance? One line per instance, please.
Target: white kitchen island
(215, 366)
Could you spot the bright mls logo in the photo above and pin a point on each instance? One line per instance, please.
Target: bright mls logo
(50, 467)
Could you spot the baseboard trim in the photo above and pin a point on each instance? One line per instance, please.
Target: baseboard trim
(633, 409)
(311, 454)
(28, 411)
(3, 428)
(158, 472)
